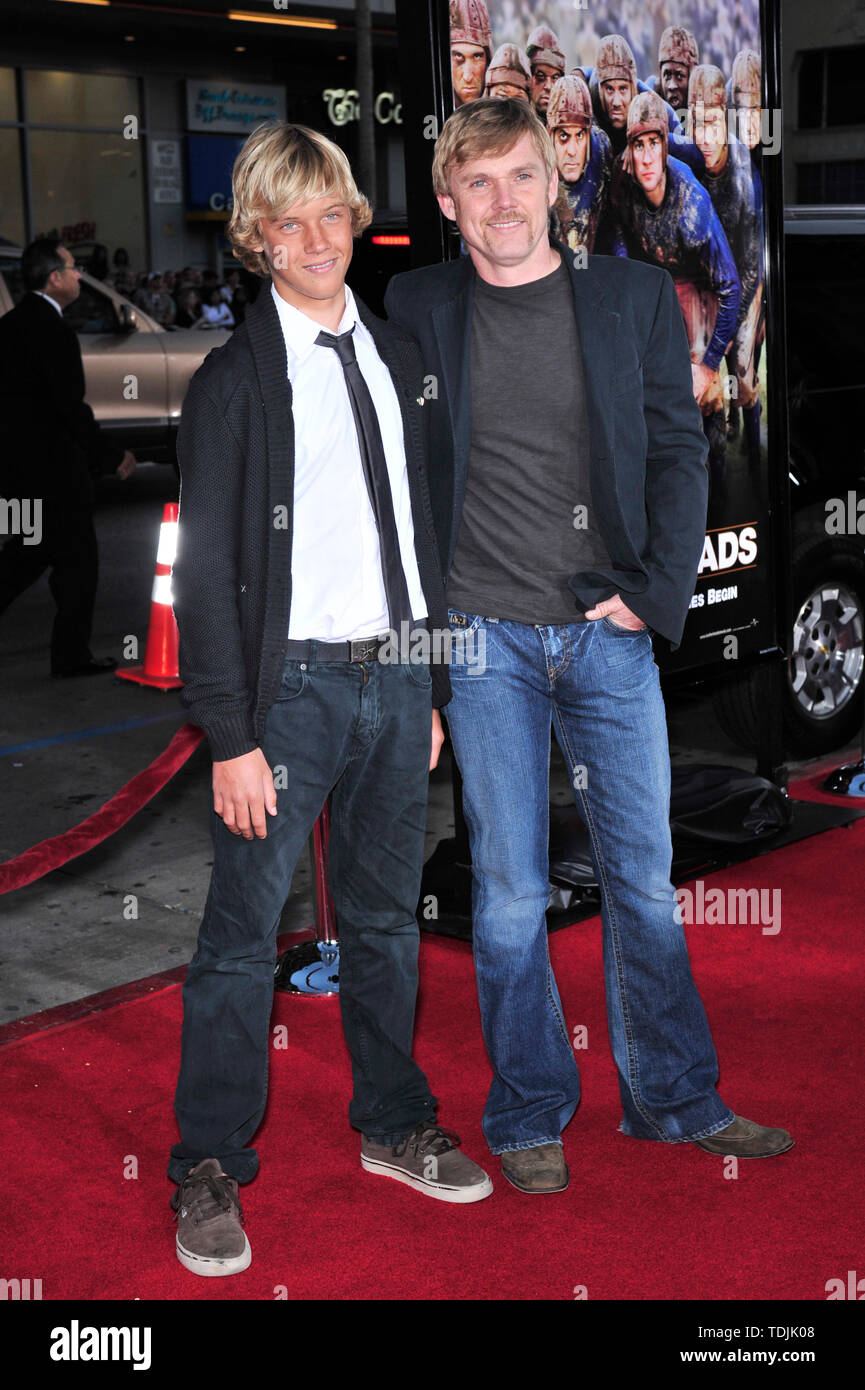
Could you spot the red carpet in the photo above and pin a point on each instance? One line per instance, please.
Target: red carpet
(639, 1221)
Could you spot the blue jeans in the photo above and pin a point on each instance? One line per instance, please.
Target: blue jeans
(362, 730)
(598, 685)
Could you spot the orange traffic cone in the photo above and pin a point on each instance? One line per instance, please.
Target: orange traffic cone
(160, 658)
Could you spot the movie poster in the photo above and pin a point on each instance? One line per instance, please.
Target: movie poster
(654, 110)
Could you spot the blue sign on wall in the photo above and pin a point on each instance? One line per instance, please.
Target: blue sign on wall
(209, 161)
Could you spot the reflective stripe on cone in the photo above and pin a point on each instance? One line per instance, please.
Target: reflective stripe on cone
(160, 668)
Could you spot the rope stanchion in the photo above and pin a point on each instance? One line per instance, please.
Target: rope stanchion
(50, 854)
(312, 968)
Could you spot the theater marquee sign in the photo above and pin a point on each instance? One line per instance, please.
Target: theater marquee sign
(343, 106)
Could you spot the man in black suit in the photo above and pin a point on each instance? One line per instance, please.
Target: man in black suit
(52, 450)
(306, 563)
(569, 488)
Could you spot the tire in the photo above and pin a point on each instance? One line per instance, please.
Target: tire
(814, 680)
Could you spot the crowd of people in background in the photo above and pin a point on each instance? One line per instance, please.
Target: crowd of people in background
(723, 28)
(187, 298)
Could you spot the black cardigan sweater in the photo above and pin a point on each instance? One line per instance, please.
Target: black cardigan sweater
(231, 579)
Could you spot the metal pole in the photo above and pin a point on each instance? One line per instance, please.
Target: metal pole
(365, 93)
(312, 968)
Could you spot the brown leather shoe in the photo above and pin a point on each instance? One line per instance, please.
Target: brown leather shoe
(542, 1169)
(744, 1139)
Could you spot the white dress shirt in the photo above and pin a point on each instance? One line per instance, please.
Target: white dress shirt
(218, 314)
(42, 295)
(337, 588)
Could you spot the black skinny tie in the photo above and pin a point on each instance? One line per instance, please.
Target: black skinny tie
(375, 472)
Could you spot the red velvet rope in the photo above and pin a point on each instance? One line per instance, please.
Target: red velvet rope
(50, 854)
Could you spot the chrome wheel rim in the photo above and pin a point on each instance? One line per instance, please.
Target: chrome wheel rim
(825, 666)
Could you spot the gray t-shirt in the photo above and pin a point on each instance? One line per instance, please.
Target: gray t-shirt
(522, 533)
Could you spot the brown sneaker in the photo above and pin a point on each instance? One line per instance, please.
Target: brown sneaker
(210, 1236)
(429, 1160)
(744, 1139)
(542, 1169)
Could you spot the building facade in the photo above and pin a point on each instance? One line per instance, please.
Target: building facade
(824, 113)
(119, 124)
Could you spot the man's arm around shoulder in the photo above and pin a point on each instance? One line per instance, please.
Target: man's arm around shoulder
(395, 301)
(411, 294)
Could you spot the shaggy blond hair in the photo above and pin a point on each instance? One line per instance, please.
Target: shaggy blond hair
(279, 166)
(488, 126)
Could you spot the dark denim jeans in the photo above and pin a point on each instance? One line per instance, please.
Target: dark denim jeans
(363, 731)
(597, 685)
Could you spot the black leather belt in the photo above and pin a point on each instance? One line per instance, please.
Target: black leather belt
(362, 649)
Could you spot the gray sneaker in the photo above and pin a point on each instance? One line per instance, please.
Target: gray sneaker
(210, 1236)
(429, 1160)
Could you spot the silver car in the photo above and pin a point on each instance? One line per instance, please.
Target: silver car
(136, 371)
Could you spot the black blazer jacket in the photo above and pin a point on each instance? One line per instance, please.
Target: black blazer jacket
(232, 573)
(52, 445)
(648, 451)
